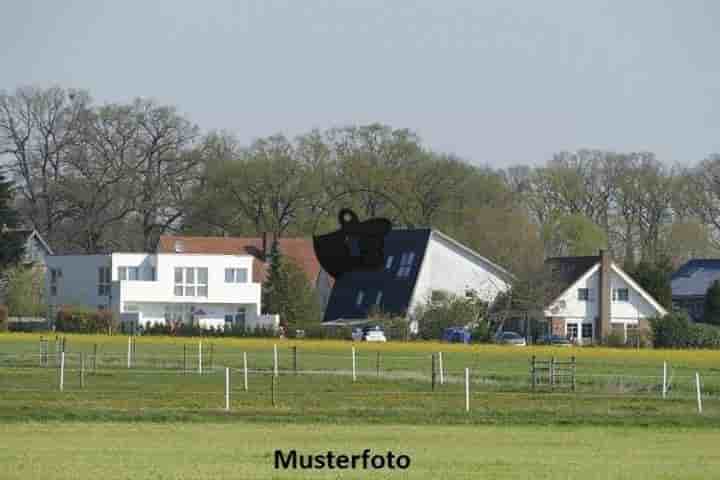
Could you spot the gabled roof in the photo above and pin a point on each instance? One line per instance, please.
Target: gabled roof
(695, 277)
(300, 250)
(621, 273)
(497, 269)
(26, 234)
(396, 291)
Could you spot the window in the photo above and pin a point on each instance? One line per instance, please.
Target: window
(620, 295)
(103, 281)
(406, 264)
(191, 282)
(133, 273)
(470, 293)
(240, 317)
(389, 262)
(55, 273)
(122, 273)
(236, 275)
(587, 329)
(583, 294)
(359, 299)
(572, 330)
(378, 298)
(132, 307)
(150, 274)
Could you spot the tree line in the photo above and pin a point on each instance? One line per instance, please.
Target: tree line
(95, 177)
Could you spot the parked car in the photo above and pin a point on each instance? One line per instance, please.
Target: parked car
(456, 335)
(369, 334)
(555, 340)
(511, 338)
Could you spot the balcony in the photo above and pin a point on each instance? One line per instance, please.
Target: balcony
(139, 291)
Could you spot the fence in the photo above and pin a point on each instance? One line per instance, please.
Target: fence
(203, 375)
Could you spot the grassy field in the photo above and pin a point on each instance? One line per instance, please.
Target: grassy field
(245, 451)
(162, 419)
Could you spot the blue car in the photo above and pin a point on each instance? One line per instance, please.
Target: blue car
(456, 335)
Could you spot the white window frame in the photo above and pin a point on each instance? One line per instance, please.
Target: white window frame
(190, 284)
(234, 275)
(583, 298)
(616, 295)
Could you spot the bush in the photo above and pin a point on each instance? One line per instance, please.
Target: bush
(85, 320)
(615, 339)
(675, 331)
(3, 318)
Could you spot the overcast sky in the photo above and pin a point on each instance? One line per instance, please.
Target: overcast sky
(494, 81)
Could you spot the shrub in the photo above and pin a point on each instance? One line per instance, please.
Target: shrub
(675, 331)
(615, 339)
(3, 318)
(85, 320)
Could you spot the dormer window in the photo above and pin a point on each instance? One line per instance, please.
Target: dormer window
(406, 264)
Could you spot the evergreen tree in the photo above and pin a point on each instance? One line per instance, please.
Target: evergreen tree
(288, 293)
(712, 304)
(11, 246)
(655, 278)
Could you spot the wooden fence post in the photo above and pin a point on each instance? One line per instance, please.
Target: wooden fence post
(432, 374)
(552, 373)
(377, 364)
(275, 360)
(533, 373)
(94, 358)
(699, 397)
(573, 373)
(664, 384)
(200, 357)
(295, 359)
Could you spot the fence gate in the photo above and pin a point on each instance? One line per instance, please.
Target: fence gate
(552, 373)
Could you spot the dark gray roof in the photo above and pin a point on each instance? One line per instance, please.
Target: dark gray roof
(396, 291)
(695, 277)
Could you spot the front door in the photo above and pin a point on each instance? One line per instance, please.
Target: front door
(572, 331)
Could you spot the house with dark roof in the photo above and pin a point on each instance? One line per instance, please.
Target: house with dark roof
(418, 263)
(690, 284)
(300, 250)
(35, 253)
(594, 297)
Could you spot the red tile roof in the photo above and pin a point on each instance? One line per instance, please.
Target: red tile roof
(301, 250)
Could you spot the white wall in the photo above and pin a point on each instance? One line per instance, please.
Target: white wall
(79, 284)
(586, 311)
(452, 269)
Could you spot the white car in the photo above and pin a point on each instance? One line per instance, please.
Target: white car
(369, 334)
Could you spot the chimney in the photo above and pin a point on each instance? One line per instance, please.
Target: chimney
(603, 325)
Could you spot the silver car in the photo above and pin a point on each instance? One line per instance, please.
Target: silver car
(511, 338)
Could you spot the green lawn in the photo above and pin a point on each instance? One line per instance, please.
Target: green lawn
(245, 451)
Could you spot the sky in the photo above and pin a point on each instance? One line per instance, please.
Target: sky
(497, 82)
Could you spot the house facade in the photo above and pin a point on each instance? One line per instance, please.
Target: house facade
(690, 284)
(299, 250)
(35, 253)
(418, 263)
(597, 298)
(201, 290)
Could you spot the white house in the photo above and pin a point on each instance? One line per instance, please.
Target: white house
(202, 290)
(598, 297)
(418, 264)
